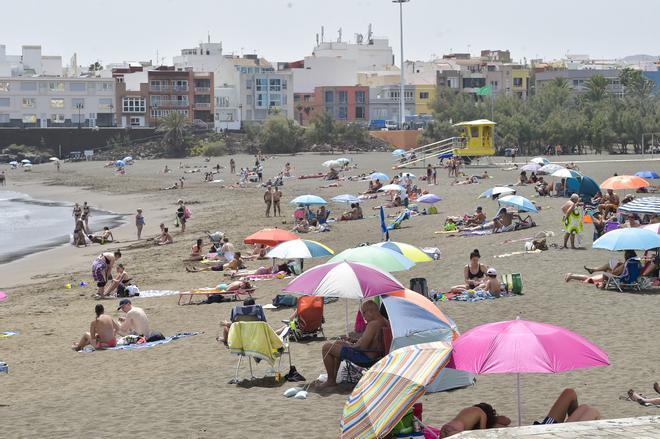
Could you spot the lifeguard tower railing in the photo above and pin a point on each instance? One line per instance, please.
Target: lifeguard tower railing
(430, 152)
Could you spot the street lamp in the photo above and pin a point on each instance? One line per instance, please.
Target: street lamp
(401, 94)
(240, 114)
(79, 107)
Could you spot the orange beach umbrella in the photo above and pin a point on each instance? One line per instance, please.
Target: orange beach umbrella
(624, 182)
(270, 237)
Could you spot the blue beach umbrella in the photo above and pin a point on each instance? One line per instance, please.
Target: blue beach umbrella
(398, 152)
(429, 199)
(308, 200)
(628, 239)
(379, 176)
(346, 198)
(520, 203)
(497, 191)
(120, 163)
(647, 174)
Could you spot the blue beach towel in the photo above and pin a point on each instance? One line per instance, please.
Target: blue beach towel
(146, 345)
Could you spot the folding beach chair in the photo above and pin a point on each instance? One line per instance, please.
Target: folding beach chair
(628, 279)
(353, 371)
(256, 339)
(309, 320)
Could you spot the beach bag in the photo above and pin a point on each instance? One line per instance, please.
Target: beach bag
(512, 283)
(419, 285)
(285, 300)
(176, 221)
(187, 213)
(155, 336)
(433, 210)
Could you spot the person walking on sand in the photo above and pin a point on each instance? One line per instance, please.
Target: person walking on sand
(139, 223)
(85, 215)
(572, 220)
(277, 196)
(77, 212)
(101, 332)
(268, 199)
(3, 178)
(232, 166)
(181, 215)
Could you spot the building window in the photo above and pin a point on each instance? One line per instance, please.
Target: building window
(283, 84)
(29, 118)
(343, 97)
(136, 122)
(180, 85)
(360, 97)
(4, 118)
(343, 112)
(408, 95)
(248, 84)
(284, 100)
(57, 103)
(423, 94)
(77, 86)
(56, 86)
(28, 86)
(359, 113)
(262, 84)
(29, 102)
(105, 104)
(106, 86)
(329, 97)
(134, 104)
(517, 82)
(275, 85)
(4, 86)
(57, 118)
(262, 99)
(4, 102)
(275, 100)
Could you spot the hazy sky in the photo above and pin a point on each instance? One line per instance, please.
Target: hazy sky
(284, 30)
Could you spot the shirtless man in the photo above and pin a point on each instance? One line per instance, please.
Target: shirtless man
(101, 332)
(478, 218)
(135, 322)
(365, 351)
(610, 202)
(268, 199)
(277, 196)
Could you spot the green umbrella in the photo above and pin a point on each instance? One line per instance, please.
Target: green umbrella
(383, 258)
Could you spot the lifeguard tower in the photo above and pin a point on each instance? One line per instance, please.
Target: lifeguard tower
(474, 141)
(477, 137)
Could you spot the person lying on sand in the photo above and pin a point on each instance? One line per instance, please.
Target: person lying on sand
(284, 267)
(468, 180)
(258, 252)
(365, 351)
(638, 397)
(502, 222)
(174, 186)
(104, 237)
(483, 416)
(101, 332)
(613, 267)
(234, 265)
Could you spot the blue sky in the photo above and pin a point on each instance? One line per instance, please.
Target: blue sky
(286, 29)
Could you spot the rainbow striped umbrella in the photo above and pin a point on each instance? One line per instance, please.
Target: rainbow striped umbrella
(390, 388)
(300, 248)
(411, 252)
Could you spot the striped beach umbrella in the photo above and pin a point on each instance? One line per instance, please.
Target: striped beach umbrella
(390, 387)
(383, 258)
(645, 205)
(411, 252)
(300, 249)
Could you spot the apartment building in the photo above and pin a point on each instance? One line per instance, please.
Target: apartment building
(385, 103)
(577, 79)
(424, 97)
(509, 79)
(31, 62)
(264, 91)
(43, 102)
(347, 104)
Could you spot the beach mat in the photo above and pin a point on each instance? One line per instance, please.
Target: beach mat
(158, 293)
(7, 334)
(147, 345)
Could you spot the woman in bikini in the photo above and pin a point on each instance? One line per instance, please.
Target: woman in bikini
(473, 273)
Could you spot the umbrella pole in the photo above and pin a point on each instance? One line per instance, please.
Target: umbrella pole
(346, 315)
(519, 400)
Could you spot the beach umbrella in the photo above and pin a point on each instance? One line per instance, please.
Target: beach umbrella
(379, 176)
(308, 200)
(624, 182)
(389, 388)
(13, 163)
(25, 161)
(652, 227)
(300, 249)
(348, 280)
(343, 160)
(128, 158)
(521, 203)
(429, 199)
(411, 252)
(392, 188)
(331, 164)
(531, 167)
(647, 174)
(54, 159)
(270, 237)
(521, 346)
(382, 258)
(346, 198)
(644, 205)
(550, 168)
(27, 165)
(408, 175)
(120, 163)
(497, 191)
(566, 173)
(540, 160)
(398, 152)
(628, 238)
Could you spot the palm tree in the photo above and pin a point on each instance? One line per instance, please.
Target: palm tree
(596, 88)
(173, 126)
(559, 82)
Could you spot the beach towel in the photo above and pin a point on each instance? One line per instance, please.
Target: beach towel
(474, 296)
(268, 276)
(158, 293)
(254, 339)
(145, 345)
(7, 334)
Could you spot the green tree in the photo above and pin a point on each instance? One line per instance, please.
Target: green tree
(596, 88)
(174, 126)
(323, 130)
(280, 135)
(353, 134)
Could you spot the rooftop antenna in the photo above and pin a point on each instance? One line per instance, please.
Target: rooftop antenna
(370, 35)
(317, 38)
(208, 38)
(322, 33)
(339, 35)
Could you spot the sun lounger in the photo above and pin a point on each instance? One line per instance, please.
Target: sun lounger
(233, 294)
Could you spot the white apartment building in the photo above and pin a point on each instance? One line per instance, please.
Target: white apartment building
(31, 62)
(42, 102)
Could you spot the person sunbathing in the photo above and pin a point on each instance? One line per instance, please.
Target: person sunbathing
(468, 180)
(165, 237)
(196, 251)
(302, 225)
(609, 203)
(332, 174)
(121, 279)
(226, 324)
(234, 265)
(503, 222)
(638, 397)
(542, 188)
(353, 214)
(483, 416)
(366, 351)
(168, 188)
(104, 237)
(613, 267)
(101, 332)
(473, 273)
(477, 219)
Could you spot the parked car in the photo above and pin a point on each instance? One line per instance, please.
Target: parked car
(391, 125)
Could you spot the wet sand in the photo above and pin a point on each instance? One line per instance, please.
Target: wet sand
(180, 389)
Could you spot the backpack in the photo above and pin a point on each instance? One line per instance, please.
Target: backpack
(285, 300)
(186, 213)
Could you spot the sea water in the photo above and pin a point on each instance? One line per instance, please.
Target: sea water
(28, 226)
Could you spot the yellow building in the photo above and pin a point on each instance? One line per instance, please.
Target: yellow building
(424, 97)
(520, 82)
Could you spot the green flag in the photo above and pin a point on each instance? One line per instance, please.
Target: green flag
(484, 91)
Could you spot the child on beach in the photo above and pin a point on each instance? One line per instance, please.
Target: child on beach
(139, 223)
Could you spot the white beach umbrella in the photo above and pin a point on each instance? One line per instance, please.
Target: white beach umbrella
(24, 161)
(392, 188)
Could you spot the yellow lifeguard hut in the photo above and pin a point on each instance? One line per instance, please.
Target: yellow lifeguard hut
(477, 136)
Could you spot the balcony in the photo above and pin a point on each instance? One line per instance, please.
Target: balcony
(180, 88)
(202, 106)
(202, 90)
(170, 104)
(159, 88)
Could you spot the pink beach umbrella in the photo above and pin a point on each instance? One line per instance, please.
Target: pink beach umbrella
(521, 346)
(652, 227)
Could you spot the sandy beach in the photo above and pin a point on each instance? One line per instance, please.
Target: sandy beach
(180, 389)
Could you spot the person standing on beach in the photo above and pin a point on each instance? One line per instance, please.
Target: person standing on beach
(572, 220)
(181, 215)
(57, 164)
(429, 174)
(232, 166)
(79, 233)
(3, 178)
(268, 199)
(85, 215)
(139, 223)
(77, 212)
(277, 196)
